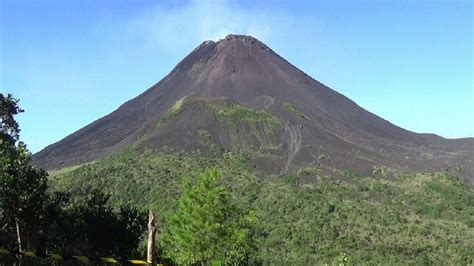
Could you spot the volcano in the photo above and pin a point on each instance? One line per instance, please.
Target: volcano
(237, 95)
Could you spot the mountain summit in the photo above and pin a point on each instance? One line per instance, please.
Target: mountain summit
(238, 95)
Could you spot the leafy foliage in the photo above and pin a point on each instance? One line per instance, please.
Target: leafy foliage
(91, 227)
(34, 218)
(376, 221)
(402, 219)
(9, 128)
(23, 188)
(153, 181)
(207, 228)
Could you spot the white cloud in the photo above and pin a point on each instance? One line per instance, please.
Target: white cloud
(179, 28)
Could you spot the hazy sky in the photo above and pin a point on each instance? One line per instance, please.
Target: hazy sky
(72, 62)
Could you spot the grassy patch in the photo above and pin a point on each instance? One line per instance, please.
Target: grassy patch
(294, 110)
(243, 122)
(235, 113)
(65, 170)
(172, 112)
(308, 171)
(204, 136)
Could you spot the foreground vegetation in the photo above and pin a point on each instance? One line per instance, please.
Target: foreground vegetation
(398, 218)
(34, 218)
(229, 215)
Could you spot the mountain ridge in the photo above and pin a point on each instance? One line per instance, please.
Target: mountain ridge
(246, 72)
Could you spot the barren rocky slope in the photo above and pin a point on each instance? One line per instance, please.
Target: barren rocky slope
(238, 95)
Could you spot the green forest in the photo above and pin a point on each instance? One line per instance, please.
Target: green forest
(213, 209)
(390, 217)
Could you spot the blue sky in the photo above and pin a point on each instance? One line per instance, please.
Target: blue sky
(72, 62)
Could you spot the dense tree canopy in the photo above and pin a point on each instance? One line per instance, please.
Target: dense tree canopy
(397, 218)
(91, 227)
(207, 228)
(23, 190)
(9, 128)
(34, 218)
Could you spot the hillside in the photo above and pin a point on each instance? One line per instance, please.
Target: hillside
(238, 95)
(387, 218)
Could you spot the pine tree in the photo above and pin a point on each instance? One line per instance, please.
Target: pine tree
(207, 227)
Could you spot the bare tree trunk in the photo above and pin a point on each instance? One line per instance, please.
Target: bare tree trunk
(151, 238)
(18, 238)
(18, 235)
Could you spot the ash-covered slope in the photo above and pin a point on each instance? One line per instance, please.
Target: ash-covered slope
(237, 94)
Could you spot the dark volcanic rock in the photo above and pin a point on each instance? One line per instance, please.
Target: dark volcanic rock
(237, 94)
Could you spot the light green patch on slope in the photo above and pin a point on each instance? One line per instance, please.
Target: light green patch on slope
(65, 170)
(204, 136)
(242, 121)
(294, 110)
(308, 171)
(237, 113)
(171, 113)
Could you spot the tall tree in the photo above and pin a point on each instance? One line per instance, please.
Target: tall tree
(23, 188)
(207, 227)
(91, 227)
(9, 129)
(41, 220)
